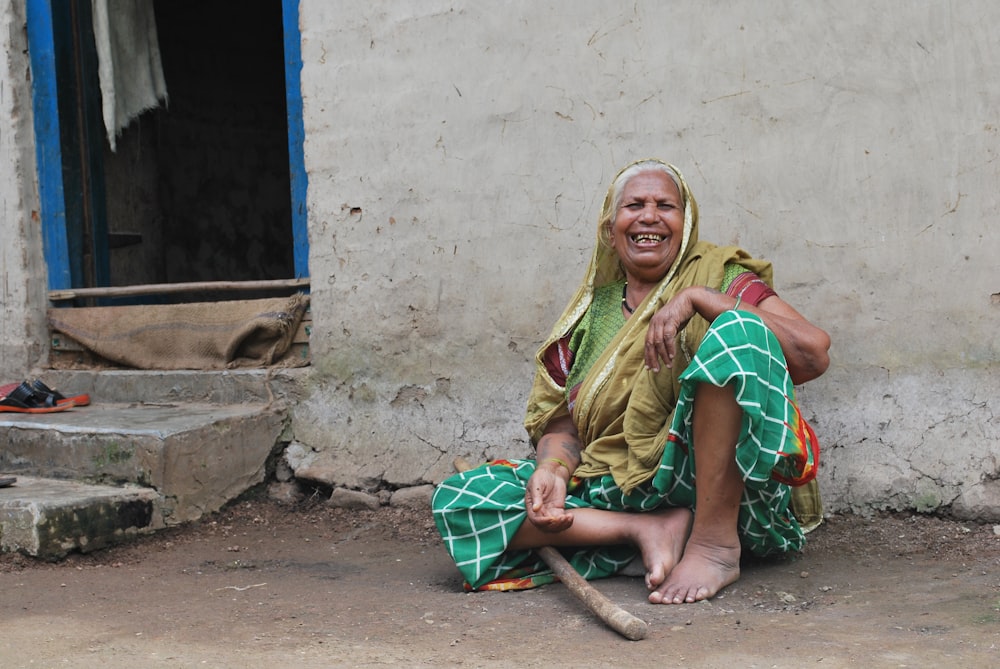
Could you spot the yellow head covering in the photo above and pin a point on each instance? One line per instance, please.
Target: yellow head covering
(605, 264)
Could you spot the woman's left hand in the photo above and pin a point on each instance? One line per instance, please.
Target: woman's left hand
(664, 326)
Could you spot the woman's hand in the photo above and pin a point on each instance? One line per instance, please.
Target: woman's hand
(545, 497)
(558, 454)
(664, 326)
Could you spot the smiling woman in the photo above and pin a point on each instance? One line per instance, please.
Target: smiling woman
(647, 229)
(674, 356)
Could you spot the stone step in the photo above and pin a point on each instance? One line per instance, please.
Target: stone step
(196, 456)
(118, 386)
(48, 518)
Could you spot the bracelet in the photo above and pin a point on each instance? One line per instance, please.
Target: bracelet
(739, 299)
(561, 463)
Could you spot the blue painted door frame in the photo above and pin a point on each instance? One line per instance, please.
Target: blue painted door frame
(296, 135)
(48, 151)
(57, 235)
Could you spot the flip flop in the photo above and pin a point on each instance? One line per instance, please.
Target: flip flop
(7, 481)
(58, 398)
(23, 399)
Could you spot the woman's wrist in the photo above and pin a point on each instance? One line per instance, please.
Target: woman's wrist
(559, 462)
(556, 466)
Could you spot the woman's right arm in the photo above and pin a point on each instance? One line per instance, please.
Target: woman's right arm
(558, 455)
(561, 442)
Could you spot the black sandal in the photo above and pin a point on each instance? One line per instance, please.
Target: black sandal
(25, 400)
(57, 398)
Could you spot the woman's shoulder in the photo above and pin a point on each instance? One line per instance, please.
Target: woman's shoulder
(722, 254)
(705, 254)
(710, 263)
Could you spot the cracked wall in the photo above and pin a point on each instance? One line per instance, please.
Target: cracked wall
(458, 157)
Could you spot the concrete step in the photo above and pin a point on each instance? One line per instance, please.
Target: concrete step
(236, 386)
(196, 456)
(49, 518)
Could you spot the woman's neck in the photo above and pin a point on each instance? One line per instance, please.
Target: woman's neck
(633, 293)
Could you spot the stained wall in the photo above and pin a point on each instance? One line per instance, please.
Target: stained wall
(458, 154)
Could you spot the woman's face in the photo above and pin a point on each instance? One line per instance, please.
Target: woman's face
(647, 229)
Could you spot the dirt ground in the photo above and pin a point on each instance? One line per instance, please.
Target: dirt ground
(266, 585)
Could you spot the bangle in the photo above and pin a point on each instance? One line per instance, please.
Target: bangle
(739, 299)
(561, 463)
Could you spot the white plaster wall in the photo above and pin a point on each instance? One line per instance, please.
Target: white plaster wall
(22, 269)
(458, 153)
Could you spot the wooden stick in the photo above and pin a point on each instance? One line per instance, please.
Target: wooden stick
(615, 617)
(170, 288)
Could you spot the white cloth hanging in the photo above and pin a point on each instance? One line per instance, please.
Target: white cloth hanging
(129, 66)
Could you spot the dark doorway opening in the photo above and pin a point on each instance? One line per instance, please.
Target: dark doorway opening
(198, 190)
(199, 199)
(203, 184)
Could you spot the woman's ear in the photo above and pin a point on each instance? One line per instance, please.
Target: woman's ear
(609, 237)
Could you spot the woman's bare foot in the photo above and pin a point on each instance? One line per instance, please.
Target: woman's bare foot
(661, 541)
(702, 572)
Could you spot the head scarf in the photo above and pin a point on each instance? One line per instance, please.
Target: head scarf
(606, 266)
(623, 411)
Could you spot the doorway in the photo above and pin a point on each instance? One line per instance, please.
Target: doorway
(207, 190)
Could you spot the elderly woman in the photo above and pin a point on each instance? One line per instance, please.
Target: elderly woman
(662, 414)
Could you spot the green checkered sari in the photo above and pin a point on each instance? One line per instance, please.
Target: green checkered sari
(479, 511)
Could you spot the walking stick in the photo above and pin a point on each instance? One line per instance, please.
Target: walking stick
(614, 616)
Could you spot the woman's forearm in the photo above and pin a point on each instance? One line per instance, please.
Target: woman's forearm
(806, 347)
(560, 445)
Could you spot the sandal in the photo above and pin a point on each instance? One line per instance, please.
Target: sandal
(57, 398)
(22, 399)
